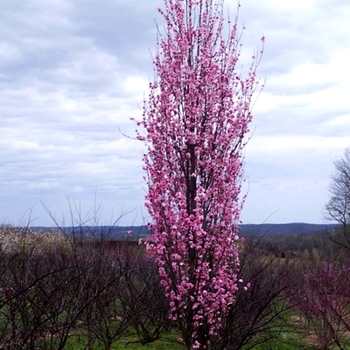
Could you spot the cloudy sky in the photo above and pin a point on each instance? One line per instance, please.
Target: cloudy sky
(73, 73)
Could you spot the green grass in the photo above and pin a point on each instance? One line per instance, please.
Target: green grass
(286, 341)
(167, 342)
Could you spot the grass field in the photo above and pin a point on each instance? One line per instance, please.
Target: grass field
(169, 341)
(129, 341)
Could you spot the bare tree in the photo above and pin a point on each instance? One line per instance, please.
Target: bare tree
(257, 315)
(338, 207)
(39, 290)
(142, 297)
(102, 318)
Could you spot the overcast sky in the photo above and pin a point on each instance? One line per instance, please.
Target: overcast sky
(73, 73)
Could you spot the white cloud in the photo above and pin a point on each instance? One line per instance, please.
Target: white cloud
(73, 73)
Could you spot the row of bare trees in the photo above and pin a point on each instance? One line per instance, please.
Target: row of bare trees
(95, 291)
(92, 291)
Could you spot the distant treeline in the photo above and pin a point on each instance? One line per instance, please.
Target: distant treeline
(137, 232)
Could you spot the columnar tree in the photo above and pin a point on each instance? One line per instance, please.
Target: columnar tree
(196, 117)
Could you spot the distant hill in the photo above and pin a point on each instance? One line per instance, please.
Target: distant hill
(114, 232)
(136, 232)
(282, 229)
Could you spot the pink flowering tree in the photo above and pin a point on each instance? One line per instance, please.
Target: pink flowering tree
(196, 117)
(323, 295)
